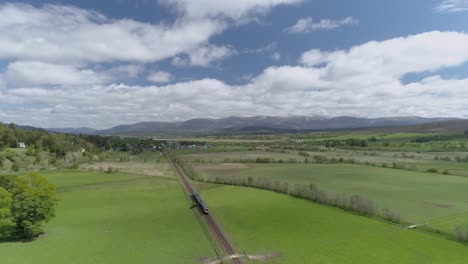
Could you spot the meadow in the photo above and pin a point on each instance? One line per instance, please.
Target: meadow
(424, 180)
(298, 231)
(114, 218)
(420, 198)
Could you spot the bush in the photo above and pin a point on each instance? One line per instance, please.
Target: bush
(391, 216)
(5, 212)
(15, 166)
(320, 159)
(461, 233)
(432, 170)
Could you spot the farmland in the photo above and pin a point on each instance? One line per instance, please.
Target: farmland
(135, 198)
(114, 218)
(419, 197)
(298, 231)
(424, 182)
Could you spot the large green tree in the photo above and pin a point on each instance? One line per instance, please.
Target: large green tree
(34, 200)
(5, 211)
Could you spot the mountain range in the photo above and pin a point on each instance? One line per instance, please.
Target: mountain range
(260, 124)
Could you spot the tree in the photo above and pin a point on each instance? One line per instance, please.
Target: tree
(34, 200)
(5, 211)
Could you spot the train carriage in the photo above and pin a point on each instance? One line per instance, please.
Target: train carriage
(200, 203)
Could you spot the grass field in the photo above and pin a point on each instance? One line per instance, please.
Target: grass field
(420, 197)
(304, 232)
(114, 218)
(236, 156)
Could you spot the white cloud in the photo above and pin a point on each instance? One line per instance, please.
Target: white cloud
(315, 57)
(239, 10)
(448, 6)
(203, 56)
(68, 35)
(39, 73)
(363, 80)
(64, 34)
(394, 57)
(126, 71)
(276, 56)
(307, 24)
(160, 77)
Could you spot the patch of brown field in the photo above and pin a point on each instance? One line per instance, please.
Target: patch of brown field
(442, 205)
(219, 166)
(143, 168)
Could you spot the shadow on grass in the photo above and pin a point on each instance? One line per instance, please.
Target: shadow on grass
(17, 239)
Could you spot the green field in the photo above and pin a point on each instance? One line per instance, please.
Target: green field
(420, 197)
(114, 218)
(304, 232)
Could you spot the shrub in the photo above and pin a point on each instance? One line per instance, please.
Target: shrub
(15, 166)
(461, 233)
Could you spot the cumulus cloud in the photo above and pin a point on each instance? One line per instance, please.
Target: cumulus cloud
(39, 73)
(203, 56)
(394, 57)
(361, 81)
(160, 77)
(63, 63)
(448, 6)
(305, 25)
(65, 34)
(240, 10)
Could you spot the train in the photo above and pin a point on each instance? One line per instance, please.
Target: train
(200, 203)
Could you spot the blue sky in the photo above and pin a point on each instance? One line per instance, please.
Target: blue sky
(104, 63)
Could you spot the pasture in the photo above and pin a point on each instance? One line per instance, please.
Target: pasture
(422, 198)
(114, 218)
(299, 231)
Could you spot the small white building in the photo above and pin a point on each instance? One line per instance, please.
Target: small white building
(21, 145)
(82, 150)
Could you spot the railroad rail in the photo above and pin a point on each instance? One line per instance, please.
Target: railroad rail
(213, 226)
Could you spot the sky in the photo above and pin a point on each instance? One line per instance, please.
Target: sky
(87, 63)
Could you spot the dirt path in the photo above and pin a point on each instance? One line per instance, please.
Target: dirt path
(216, 232)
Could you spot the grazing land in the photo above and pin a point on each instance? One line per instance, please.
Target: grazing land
(299, 231)
(114, 218)
(421, 177)
(420, 197)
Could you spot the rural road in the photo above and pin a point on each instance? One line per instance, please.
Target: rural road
(216, 232)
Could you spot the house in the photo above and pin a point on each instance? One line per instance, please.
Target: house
(21, 145)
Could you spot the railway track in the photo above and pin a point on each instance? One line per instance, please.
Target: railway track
(213, 226)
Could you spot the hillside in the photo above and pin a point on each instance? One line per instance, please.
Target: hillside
(450, 126)
(264, 124)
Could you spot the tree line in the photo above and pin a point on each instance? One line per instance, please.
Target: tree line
(39, 139)
(353, 203)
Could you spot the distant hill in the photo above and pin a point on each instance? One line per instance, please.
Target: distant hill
(262, 124)
(74, 131)
(450, 126)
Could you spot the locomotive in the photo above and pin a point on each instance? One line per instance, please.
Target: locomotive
(200, 203)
